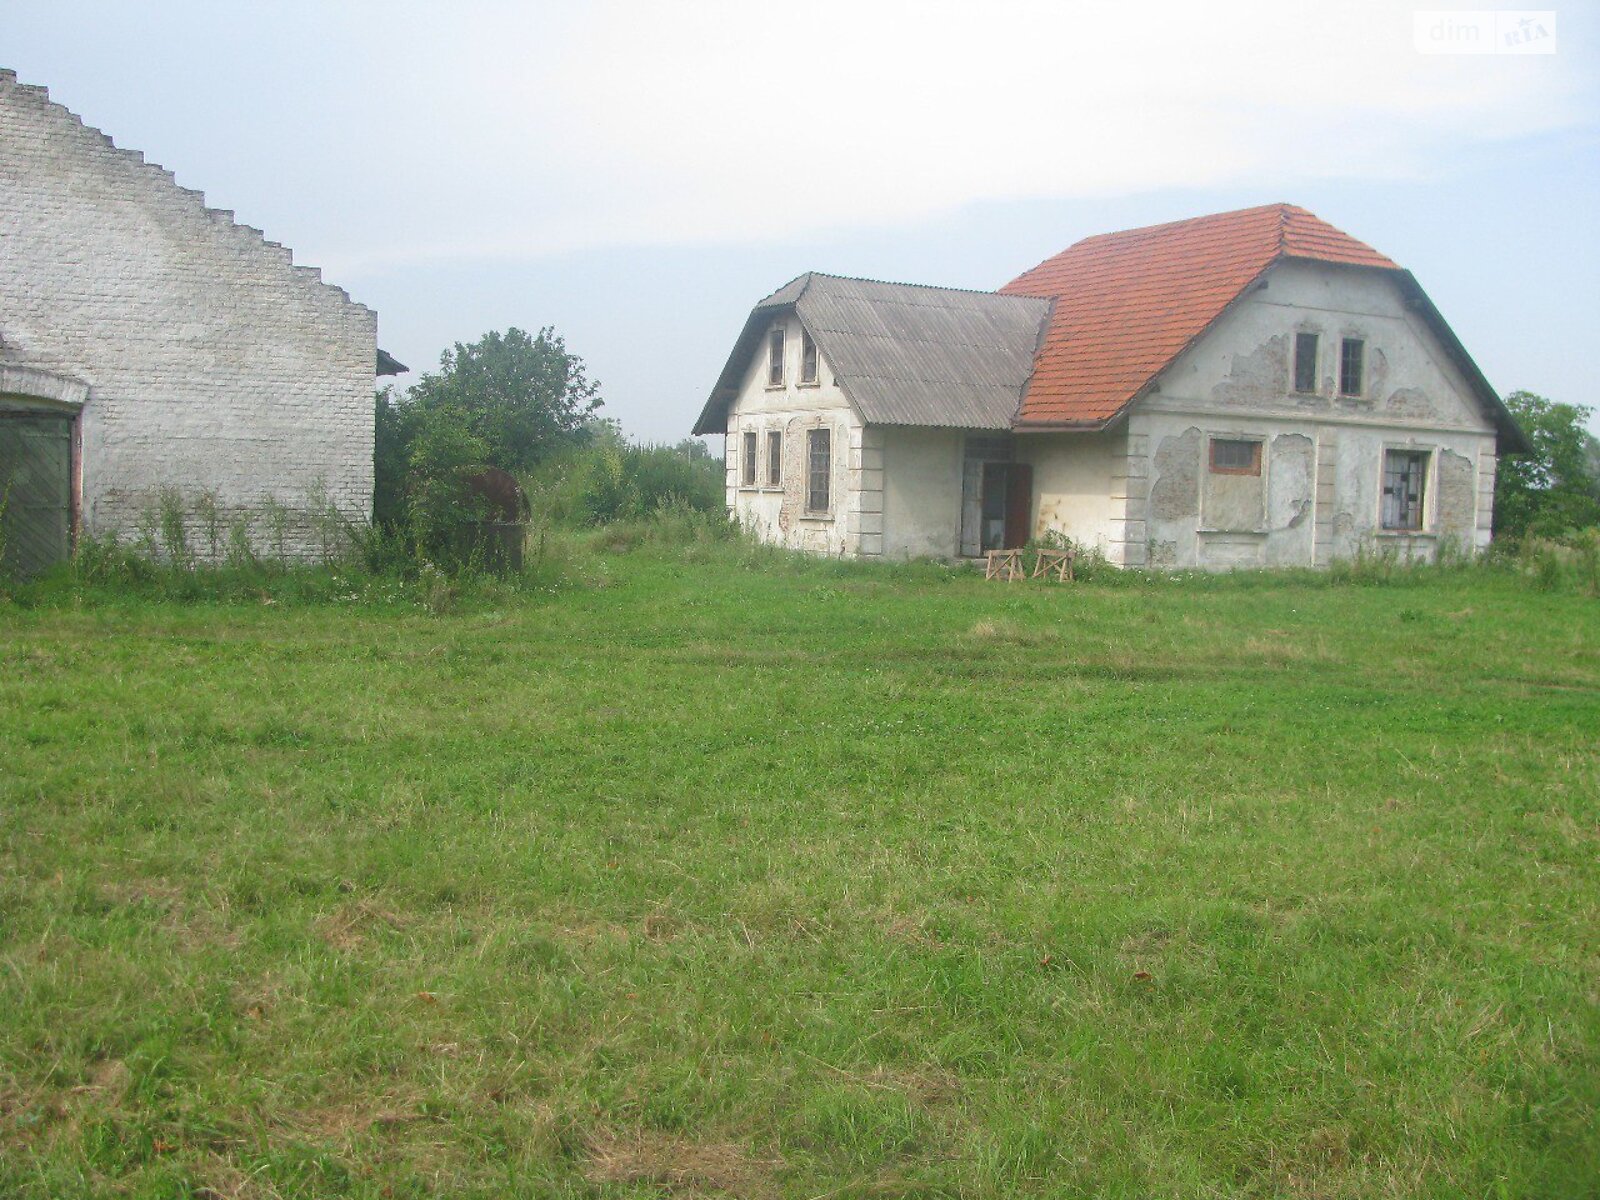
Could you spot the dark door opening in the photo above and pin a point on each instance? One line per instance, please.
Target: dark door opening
(35, 491)
(1007, 505)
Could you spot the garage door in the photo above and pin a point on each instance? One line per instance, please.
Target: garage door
(36, 490)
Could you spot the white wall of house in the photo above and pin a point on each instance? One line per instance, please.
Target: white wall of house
(922, 491)
(212, 363)
(780, 513)
(1079, 487)
(1318, 492)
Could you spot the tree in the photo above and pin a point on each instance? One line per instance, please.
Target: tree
(394, 426)
(1555, 489)
(527, 398)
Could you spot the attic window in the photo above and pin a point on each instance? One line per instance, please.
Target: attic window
(808, 358)
(1352, 366)
(775, 347)
(1305, 362)
(1235, 456)
(747, 468)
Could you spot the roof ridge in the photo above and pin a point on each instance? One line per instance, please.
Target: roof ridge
(224, 218)
(1181, 221)
(927, 287)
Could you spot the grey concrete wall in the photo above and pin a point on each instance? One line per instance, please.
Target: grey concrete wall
(1318, 495)
(213, 363)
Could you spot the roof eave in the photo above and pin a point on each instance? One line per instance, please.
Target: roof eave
(1510, 438)
(714, 416)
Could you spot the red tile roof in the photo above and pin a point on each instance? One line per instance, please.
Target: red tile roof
(1128, 303)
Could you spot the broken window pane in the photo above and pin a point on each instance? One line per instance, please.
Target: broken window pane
(1352, 364)
(1404, 478)
(1305, 362)
(775, 358)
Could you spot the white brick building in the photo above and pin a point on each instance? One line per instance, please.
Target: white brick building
(150, 342)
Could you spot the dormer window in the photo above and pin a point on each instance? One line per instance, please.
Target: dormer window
(1352, 366)
(808, 358)
(775, 351)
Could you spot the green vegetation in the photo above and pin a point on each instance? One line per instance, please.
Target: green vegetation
(523, 405)
(1554, 491)
(687, 867)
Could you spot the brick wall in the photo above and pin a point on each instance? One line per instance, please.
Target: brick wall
(214, 364)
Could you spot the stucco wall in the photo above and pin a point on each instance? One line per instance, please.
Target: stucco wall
(854, 521)
(212, 362)
(1319, 491)
(1078, 487)
(922, 492)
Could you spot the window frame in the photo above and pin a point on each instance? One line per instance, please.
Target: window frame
(816, 433)
(1361, 367)
(777, 356)
(1423, 456)
(1294, 368)
(774, 458)
(1254, 468)
(809, 357)
(747, 459)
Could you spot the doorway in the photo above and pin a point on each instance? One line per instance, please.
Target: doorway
(1007, 505)
(996, 497)
(35, 490)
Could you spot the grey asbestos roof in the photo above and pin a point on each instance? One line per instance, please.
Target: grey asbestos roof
(904, 354)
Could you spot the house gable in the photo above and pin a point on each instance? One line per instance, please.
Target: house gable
(904, 354)
(212, 362)
(1244, 361)
(1129, 304)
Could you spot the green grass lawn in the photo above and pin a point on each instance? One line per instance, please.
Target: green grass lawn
(723, 874)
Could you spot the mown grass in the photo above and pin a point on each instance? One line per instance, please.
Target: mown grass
(712, 872)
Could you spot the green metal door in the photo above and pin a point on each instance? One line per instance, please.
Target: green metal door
(35, 491)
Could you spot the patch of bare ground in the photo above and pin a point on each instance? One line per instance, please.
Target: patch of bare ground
(682, 1165)
(352, 925)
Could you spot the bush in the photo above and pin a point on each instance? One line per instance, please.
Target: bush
(612, 480)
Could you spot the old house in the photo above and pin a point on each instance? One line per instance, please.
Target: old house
(1248, 388)
(148, 342)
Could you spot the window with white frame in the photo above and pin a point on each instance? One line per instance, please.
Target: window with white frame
(774, 458)
(1352, 367)
(747, 466)
(1405, 482)
(819, 469)
(775, 353)
(808, 358)
(1305, 362)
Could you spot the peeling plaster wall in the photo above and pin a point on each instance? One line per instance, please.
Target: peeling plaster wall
(1318, 496)
(854, 522)
(922, 492)
(1079, 482)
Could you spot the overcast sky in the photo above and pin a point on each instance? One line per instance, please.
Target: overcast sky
(638, 174)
